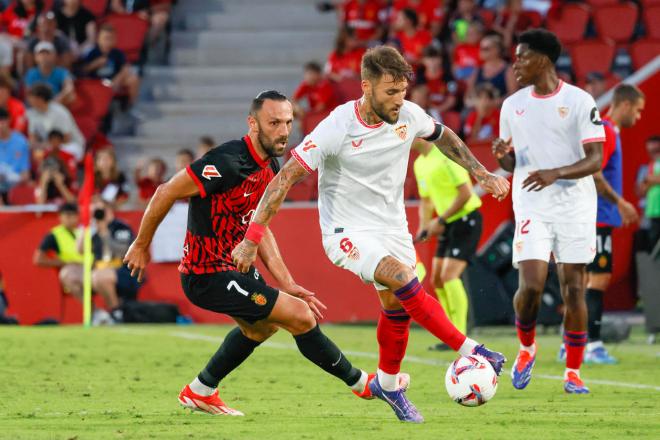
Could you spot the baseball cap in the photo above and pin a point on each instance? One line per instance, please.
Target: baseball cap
(44, 45)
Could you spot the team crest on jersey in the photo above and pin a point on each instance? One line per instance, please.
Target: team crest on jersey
(210, 171)
(259, 299)
(563, 112)
(402, 131)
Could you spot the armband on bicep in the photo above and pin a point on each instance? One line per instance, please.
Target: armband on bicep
(437, 133)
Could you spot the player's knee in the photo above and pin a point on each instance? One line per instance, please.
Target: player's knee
(530, 289)
(259, 333)
(303, 319)
(573, 295)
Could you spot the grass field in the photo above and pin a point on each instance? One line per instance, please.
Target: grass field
(122, 383)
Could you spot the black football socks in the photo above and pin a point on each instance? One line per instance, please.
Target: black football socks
(232, 352)
(594, 298)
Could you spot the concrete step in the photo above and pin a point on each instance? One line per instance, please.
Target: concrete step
(245, 41)
(162, 109)
(210, 5)
(242, 17)
(222, 90)
(264, 57)
(191, 127)
(214, 75)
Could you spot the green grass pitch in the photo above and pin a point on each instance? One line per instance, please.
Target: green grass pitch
(122, 383)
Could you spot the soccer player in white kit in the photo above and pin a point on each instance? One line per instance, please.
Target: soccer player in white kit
(551, 138)
(361, 151)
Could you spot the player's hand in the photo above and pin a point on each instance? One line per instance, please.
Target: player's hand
(537, 180)
(501, 148)
(244, 255)
(137, 257)
(628, 212)
(498, 186)
(310, 298)
(436, 227)
(421, 236)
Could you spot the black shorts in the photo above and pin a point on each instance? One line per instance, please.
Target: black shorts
(127, 286)
(239, 295)
(461, 237)
(603, 260)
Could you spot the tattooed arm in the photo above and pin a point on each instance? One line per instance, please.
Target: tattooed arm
(246, 252)
(455, 149)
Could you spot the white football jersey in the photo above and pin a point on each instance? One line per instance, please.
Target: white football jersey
(549, 132)
(362, 168)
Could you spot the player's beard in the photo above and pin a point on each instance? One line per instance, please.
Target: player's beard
(381, 111)
(271, 146)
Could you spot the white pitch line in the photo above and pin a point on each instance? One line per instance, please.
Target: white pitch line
(413, 359)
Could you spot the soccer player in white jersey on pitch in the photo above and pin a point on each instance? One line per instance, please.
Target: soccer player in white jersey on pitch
(551, 138)
(361, 151)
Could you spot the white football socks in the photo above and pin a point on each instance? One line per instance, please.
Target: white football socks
(361, 384)
(468, 347)
(199, 388)
(530, 349)
(388, 382)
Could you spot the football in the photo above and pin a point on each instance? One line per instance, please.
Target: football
(471, 380)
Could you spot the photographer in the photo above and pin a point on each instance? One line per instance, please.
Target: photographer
(56, 172)
(111, 278)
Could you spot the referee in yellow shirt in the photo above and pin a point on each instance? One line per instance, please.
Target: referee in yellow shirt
(445, 187)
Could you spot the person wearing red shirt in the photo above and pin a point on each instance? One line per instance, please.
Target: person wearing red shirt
(18, 16)
(411, 38)
(466, 54)
(56, 172)
(148, 178)
(15, 107)
(440, 86)
(317, 89)
(429, 12)
(483, 123)
(364, 16)
(345, 60)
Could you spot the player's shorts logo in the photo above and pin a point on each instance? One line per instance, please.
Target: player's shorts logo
(563, 112)
(402, 131)
(349, 249)
(519, 246)
(259, 299)
(210, 171)
(602, 261)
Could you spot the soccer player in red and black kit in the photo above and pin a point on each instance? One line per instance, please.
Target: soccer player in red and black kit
(224, 187)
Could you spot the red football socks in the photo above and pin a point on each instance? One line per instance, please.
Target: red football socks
(574, 343)
(392, 334)
(526, 332)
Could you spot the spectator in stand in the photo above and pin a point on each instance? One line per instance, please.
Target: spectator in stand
(344, 61)
(411, 38)
(429, 12)
(204, 145)
(56, 172)
(14, 106)
(148, 177)
(317, 89)
(46, 71)
(483, 122)
(110, 182)
(509, 20)
(110, 277)
(14, 157)
(365, 18)
(466, 54)
(78, 23)
(105, 61)
(419, 94)
(47, 32)
(156, 11)
(6, 55)
(59, 250)
(465, 15)
(595, 85)
(441, 87)
(650, 188)
(183, 158)
(18, 17)
(46, 115)
(494, 68)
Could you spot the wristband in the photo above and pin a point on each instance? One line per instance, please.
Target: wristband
(255, 232)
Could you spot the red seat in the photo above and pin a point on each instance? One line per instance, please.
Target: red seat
(488, 17)
(592, 56)
(643, 51)
(601, 3)
(348, 89)
(616, 22)
(571, 23)
(21, 194)
(649, 3)
(452, 120)
(88, 126)
(93, 98)
(652, 22)
(131, 30)
(96, 7)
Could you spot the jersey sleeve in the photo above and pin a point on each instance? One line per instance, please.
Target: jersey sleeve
(505, 130)
(213, 172)
(425, 126)
(590, 126)
(324, 141)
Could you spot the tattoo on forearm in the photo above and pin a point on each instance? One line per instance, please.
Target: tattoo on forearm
(276, 191)
(450, 144)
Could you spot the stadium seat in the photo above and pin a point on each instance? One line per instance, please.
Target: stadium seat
(22, 194)
(591, 56)
(131, 30)
(652, 22)
(643, 51)
(93, 98)
(616, 22)
(571, 24)
(452, 120)
(488, 17)
(600, 3)
(649, 3)
(88, 125)
(348, 89)
(312, 119)
(96, 7)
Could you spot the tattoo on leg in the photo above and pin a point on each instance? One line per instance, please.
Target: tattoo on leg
(390, 268)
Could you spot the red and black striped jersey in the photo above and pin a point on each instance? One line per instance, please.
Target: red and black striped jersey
(231, 180)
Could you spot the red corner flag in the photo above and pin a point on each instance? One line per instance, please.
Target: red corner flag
(87, 190)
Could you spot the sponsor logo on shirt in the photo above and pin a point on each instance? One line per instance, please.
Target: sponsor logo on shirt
(520, 112)
(402, 131)
(563, 112)
(357, 144)
(210, 171)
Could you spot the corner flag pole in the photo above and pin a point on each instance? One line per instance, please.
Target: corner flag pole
(84, 200)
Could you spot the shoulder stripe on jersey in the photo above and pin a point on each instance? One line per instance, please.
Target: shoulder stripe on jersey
(600, 139)
(191, 173)
(357, 113)
(437, 133)
(300, 160)
(262, 163)
(561, 83)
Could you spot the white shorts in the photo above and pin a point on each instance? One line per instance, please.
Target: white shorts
(573, 243)
(360, 252)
